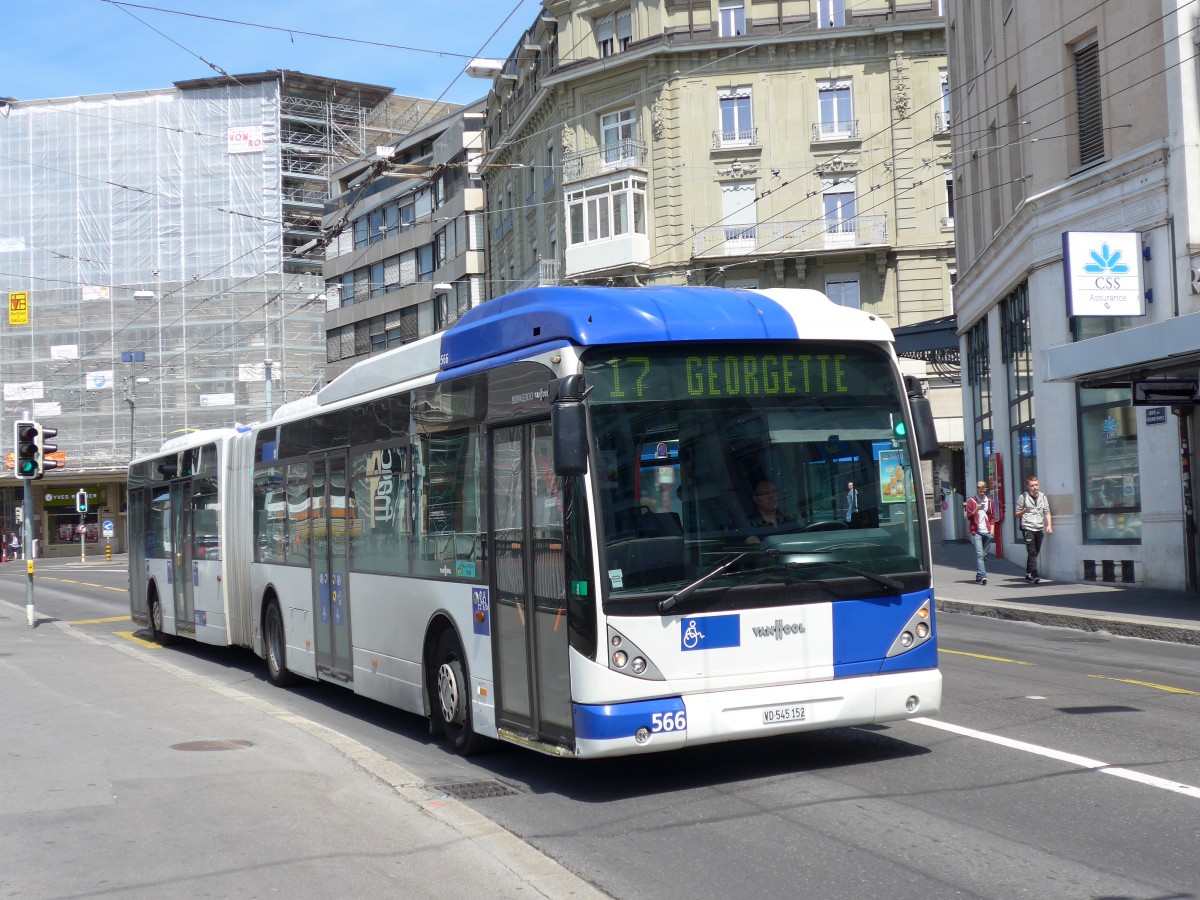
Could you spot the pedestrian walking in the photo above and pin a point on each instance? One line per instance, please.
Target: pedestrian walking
(14, 546)
(1033, 511)
(981, 520)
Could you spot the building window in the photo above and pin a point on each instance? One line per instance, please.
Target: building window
(733, 18)
(1089, 109)
(602, 212)
(737, 118)
(624, 29)
(1018, 361)
(942, 119)
(979, 378)
(377, 285)
(832, 14)
(843, 290)
(604, 37)
(618, 131)
(1016, 169)
(425, 262)
(840, 206)
(739, 216)
(948, 221)
(836, 109)
(1109, 474)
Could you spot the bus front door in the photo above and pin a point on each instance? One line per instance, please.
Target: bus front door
(182, 577)
(529, 636)
(331, 518)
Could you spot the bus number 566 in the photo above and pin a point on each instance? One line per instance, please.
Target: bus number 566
(676, 721)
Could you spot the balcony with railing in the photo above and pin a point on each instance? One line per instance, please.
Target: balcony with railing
(742, 137)
(543, 273)
(772, 238)
(626, 154)
(835, 131)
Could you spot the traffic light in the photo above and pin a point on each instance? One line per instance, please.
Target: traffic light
(25, 449)
(45, 465)
(81, 501)
(31, 448)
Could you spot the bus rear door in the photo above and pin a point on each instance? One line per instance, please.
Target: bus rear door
(331, 516)
(181, 556)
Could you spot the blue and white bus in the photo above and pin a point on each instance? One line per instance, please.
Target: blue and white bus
(540, 525)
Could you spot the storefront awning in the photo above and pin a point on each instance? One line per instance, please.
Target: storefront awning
(1158, 348)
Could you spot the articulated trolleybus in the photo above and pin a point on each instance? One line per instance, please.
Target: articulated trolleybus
(552, 524)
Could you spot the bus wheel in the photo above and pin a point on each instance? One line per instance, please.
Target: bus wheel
(275, 643)
(156, 619)
(451, 691)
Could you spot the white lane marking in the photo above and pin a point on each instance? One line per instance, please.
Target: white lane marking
(1071, 758)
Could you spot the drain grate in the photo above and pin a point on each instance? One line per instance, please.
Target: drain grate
(476, 790)
(212, 745)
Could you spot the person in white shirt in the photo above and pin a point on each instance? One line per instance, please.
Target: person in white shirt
(982, 522)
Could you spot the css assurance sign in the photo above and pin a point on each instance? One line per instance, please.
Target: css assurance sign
(1103, 271)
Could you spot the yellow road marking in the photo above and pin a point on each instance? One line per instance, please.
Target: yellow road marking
(120, 590)
(1015, 662)
(1149, 684)
(100, 621)
(131, 636)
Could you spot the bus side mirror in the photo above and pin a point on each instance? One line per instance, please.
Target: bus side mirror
(924, 430)
(568, 422)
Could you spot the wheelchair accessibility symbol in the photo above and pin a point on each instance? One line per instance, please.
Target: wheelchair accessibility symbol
(692, 636)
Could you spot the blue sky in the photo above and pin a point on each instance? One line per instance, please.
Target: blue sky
(66, 48)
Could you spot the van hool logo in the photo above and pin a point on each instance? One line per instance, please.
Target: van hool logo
(778, 630)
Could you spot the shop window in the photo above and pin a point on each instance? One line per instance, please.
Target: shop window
(1110, 481)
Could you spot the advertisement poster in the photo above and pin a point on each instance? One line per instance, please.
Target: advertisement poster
(893, 481)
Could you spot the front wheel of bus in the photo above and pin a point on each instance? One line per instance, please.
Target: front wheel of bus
(275, 644)
(452, 695)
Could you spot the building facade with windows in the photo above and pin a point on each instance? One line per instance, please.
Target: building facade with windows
(751, 143)
(406, 255)
(161, 239)
(1076, 177)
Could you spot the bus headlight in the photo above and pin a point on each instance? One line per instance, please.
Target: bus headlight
(626, 657)
(916, 631)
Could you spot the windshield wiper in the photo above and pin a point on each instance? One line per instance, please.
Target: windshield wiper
(666, 605)
(885, 580)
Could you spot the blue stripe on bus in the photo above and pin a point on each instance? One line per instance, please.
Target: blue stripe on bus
(621, 720)
(863, 632)
(588, 316)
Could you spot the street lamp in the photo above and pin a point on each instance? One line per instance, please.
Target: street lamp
(130, 398)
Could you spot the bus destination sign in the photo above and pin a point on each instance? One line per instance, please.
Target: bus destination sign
(634, 378)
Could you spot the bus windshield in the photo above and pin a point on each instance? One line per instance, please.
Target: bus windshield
(796, 458)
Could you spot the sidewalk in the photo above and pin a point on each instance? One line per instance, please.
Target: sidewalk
(1090, 606)
(99, 794)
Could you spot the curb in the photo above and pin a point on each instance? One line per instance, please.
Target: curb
(1128, 626)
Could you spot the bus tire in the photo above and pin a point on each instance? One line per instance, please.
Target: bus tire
(450, 695)
(275, 646)
(155, 617)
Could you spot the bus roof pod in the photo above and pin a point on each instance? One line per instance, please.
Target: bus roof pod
(596, 316)
(551, 317)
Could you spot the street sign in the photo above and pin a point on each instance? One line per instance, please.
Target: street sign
(107, 528)
(1173, 391)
